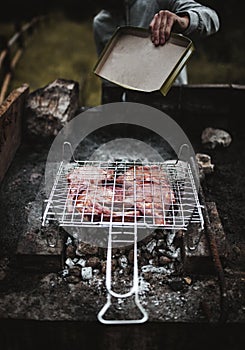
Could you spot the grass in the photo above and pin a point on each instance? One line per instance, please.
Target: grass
(62, 48)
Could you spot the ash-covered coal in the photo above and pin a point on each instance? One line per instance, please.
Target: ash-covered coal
(159, 255)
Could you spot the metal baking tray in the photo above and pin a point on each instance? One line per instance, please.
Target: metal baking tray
(131, 60)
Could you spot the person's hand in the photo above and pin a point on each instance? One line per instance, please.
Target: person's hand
(163, 23)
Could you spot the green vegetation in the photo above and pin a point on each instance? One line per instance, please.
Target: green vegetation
(60, 48)
(64, 48)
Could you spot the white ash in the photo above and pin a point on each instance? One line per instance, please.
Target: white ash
(123, 261)
(68, 241)
(151, 245)
(69, 262)
(154, 269)
(144, 286)
(87, 273)
(170, 238)
(81, 262)
(174, 254)
(65, 273)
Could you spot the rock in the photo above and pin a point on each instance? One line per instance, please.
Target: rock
(87, 273)
(213, 137)
(204, 164)
(70, 251)
(103, 267)
(147, 276)
(69, 241)
(85, 248)
(73, 279)
(69, 262)
(123, 261)
(151, 245)
(188, 280)
(64, 273)
(154, 261)
(163, 260)
(49, 108)
(154, 269)
(175, 254)
(75, 271)
(81, 262)
(161, 243)
(96, 272)
(93, 261)
(35, 178)
(114, 265)
(131, 256)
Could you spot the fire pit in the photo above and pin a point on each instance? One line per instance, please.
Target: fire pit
(67, 282)
(122, 196)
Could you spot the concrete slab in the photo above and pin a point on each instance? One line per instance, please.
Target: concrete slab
(40, 249)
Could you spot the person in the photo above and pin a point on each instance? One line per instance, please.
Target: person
(186, 17)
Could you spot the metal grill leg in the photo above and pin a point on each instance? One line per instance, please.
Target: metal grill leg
(113, 239)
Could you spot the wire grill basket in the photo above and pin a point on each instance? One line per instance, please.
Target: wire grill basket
(123, 196)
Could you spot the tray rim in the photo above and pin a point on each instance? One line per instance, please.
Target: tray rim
(142, 32)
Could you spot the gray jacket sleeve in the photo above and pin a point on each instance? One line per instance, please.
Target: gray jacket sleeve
(204, 20)
(102, 29)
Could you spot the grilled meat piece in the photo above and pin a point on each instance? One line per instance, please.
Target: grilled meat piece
(153, 192)
(105, 203)
(142, 174)
(142, 191)
(153, 200)
(89, 175)
(82, 177)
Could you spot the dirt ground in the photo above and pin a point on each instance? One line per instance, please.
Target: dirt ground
(226, 187)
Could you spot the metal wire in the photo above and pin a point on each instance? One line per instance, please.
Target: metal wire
(172, 202)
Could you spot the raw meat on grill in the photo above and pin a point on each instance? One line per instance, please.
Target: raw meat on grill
(153, 200)
(89, 175)
(142, 191)
(153, 193)
(142, 174)
(105, 203)
(82, 177)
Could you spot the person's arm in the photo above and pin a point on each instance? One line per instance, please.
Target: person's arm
(187, 17)
(103, 27)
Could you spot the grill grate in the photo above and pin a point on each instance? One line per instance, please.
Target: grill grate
(125, 193)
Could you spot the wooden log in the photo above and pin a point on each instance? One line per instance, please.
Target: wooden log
(199, 260)
(49, 108)
(8, 76)
(5, 86)
(11, 112)
(3, 55)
